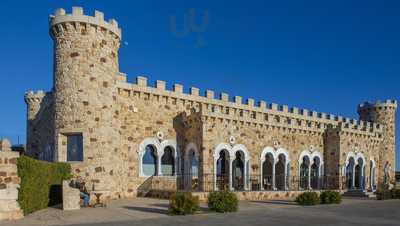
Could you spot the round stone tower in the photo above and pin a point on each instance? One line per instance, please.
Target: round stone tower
(85, 74)
(383, 113)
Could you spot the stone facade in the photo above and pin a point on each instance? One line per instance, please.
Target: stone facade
(118, 121)
(9, 183)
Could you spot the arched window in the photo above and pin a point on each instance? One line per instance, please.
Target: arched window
(149, 161)
(168, 162)
(304, 172)
(238, 171)
(280, 177)
(267, 172)
(315, 173)
(359, 175)
(223, 170)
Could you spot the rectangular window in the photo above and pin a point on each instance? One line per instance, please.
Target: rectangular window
(74, 148)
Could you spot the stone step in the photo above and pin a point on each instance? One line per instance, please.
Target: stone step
(359, 193)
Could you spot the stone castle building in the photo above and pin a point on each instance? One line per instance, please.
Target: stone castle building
(125, 138)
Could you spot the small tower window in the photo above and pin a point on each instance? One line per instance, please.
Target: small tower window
(74, 148)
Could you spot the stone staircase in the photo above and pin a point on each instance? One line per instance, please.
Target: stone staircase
(359, 194)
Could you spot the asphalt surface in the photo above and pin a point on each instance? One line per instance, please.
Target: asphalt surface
(268, 213)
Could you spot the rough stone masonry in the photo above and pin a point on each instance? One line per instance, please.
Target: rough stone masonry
(131, 135)
(9, 183)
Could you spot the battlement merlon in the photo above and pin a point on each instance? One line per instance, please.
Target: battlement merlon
(259, 112)
(78, 16)
(34, 97)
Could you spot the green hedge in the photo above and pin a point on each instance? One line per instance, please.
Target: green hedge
(41, 183)
(183, 204)
(330, 197)
(222, 201)
(384, 194)
(388, 194)
(308, 199)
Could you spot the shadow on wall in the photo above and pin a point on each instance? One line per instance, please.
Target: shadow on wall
(55, 195)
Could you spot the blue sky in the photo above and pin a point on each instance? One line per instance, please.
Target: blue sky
(326, 56)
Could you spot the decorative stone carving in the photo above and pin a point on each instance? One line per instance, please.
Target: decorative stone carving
(160, 135)
(276, 144)
(232, 140)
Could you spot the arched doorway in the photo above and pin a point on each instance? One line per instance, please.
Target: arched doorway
(350, 173)
(280, 173)
(304, 173)
(149, 161)
(168, 162)
(359, 175)
(194, 170)
(222, 174)
(267, 171)
(238, 170)
(315, 173)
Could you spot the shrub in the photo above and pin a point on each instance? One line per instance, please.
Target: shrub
(40, 183)
(183, 204)
(384, 194)
(223, 202)
(308, 199)
(330, 197)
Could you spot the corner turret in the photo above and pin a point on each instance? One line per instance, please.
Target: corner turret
(384, 113)
(33, 102)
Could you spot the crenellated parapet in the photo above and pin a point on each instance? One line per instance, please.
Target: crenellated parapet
(78, 18)
(34, 97)
(379, 112)
(367, 106)
(250, 111)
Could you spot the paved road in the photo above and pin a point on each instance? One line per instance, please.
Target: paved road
(351, 212)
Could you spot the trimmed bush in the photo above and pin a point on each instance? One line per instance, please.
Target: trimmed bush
(308, 199)
(223, 202)
(40, 183)
(384, 194)
(396, 193)
(330, 197)
(183, 204)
